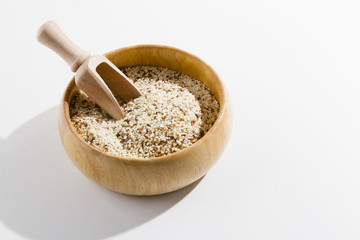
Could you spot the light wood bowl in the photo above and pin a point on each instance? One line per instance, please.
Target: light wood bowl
(160, 174)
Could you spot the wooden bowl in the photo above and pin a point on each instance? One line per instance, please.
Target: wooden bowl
(160, 174)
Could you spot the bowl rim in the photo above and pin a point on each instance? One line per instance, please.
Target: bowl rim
(222, 102)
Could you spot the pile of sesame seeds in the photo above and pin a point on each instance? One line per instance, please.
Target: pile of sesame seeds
(173, 112)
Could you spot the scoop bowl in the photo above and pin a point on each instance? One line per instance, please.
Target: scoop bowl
(151, 176)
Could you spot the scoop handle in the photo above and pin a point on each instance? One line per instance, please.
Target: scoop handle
(54, 38)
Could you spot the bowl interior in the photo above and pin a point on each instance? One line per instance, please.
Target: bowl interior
(160, 56)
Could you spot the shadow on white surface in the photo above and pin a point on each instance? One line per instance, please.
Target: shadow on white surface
(43, 195)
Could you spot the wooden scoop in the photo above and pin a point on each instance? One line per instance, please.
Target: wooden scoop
(95, 75)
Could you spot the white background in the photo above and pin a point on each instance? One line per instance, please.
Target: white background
(291, 169)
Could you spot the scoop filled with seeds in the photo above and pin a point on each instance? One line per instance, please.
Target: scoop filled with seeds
(174, 111)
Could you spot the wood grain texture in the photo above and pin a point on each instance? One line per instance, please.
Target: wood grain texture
(153, 175)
